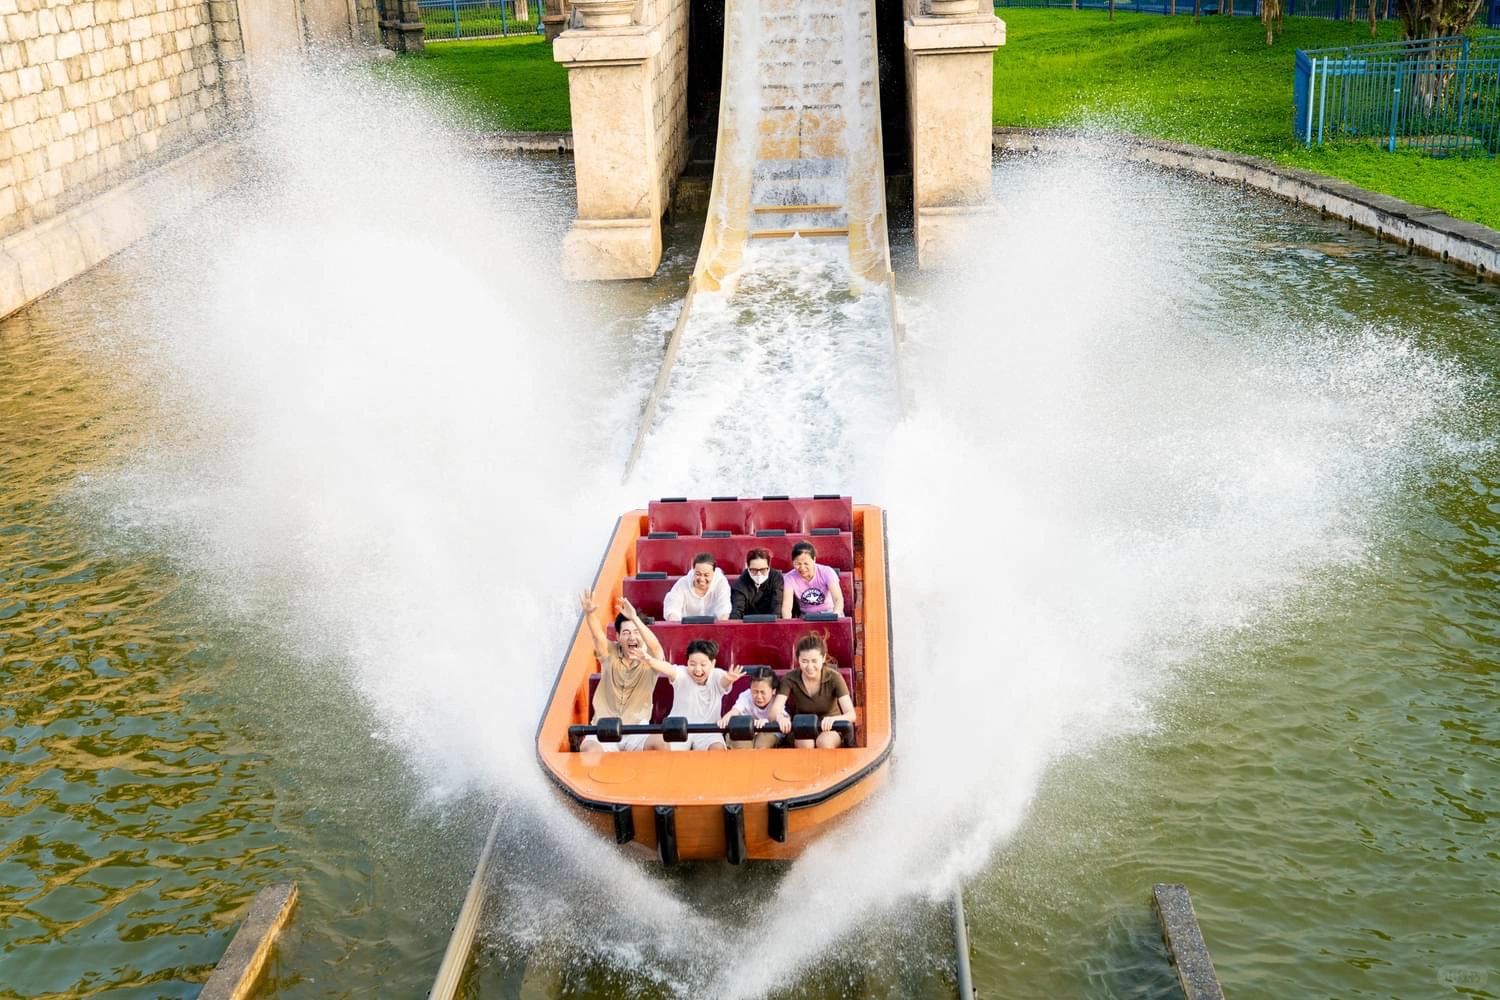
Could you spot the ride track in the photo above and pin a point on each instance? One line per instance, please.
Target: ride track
(799, 155)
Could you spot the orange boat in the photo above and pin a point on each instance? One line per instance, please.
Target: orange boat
(759, 804)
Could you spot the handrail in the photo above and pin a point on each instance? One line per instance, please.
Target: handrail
(676, 729)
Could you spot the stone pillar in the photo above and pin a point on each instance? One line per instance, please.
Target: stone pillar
(950, 83)
(555, 15)
(401, 25)
(610, 65)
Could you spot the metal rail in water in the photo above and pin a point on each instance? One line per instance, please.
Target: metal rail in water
(461, 944)
(961, 969)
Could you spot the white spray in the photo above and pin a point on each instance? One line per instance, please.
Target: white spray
(401, 459)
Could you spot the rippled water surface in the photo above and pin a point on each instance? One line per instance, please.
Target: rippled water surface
(1320, 766)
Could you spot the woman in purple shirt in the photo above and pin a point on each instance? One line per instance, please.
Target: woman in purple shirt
(810, 588)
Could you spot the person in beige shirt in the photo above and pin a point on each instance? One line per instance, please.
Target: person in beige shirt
(627, 678)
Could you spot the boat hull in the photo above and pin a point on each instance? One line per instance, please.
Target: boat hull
(731, 805)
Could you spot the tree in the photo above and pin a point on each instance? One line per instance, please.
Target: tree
(1437, 18)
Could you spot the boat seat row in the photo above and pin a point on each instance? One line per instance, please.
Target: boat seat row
(661, 696)
(746, 516)
(664, 552)
(648, 592)
(767, 644)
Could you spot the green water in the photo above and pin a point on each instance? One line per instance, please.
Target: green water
(1327, 792)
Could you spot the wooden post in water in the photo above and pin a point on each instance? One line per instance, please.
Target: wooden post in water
(238, 972)
(1185, 944)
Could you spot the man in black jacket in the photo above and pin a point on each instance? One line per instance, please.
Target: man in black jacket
(758, 589)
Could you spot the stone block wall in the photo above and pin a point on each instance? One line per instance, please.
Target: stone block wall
(669, 91)
(93, 88)
(93, 92)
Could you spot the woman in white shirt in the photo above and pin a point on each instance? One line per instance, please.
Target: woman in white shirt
(704, 591)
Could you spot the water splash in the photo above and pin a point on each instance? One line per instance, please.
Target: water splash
(1106, 485)
(1111, 472)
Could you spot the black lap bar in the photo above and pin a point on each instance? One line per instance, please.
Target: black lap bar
(676, 729)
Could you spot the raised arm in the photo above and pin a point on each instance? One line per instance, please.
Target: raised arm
(667, 670)
(596, 631)
(730, 678)
(653, 644)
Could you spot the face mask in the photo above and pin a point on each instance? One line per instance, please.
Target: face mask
(760, 576)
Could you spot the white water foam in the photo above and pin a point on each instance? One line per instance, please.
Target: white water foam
(787, 385)
(377, 435)
(1108, 480)
(1105, 476)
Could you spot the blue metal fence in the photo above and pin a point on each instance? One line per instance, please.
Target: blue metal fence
(1245, 7)
(1439, 95)
(1494, 20)
(1332, 9)
(445, 19)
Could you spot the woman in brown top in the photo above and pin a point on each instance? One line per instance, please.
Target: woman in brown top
(815, 688)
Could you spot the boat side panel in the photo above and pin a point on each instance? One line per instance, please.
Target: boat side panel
(700, 828)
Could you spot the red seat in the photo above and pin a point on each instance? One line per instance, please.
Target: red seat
(827, 512)
(648, 595)
(773, 644)
(725, 515)
(769, 644)
(773, 515)
(747, 516)
(682, 516)
(675, 555)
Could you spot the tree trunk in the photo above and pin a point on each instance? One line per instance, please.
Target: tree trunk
(1111, 10)
(1374, 28)
(1270, 16)
(1197, 9)
(1437, 18)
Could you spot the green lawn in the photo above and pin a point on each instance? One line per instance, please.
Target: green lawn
(1214, 83)
(510, 84)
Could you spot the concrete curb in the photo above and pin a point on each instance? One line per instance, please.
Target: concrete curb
(38, 259)
(1467, 244)
(244, 961)
(524, 142)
